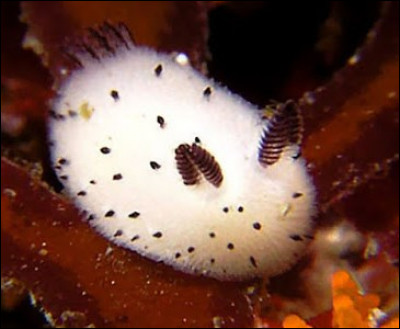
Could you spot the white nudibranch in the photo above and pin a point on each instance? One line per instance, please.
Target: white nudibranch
(170, 164)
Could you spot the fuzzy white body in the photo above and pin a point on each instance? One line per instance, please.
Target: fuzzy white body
(197, 234)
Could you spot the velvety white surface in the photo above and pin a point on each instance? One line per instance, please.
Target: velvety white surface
(227, 126)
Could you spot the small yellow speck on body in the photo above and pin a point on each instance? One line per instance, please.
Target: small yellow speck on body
(285, 209)
(85, 111)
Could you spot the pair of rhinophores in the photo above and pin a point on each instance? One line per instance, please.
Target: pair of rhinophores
(170, 164)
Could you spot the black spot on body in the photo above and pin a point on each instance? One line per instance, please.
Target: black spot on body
(157, 235)
(72, 114)
(177, 255)
(117, 177)
(136, 237)
(296, 156)
(240, 209)
(212, 235)
(114, 94)
(296, 237)
(93, 182)
(64, 177)
(154, 165)
(161, 121)
(135, 214)
(257, 226)
(253, 261)
(56, 116)
(62, 161)
(158, 70)
(81, 193)
(230, 246)
(52, 114)
(105, 150)
(197, 140)
(118, 233)
(297, 195)
(190, 249)
(212, 260)
(109, 213)
(225, 209)
(91, 217)
(207, 92)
